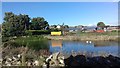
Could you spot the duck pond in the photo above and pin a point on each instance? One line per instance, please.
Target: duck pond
(88, 48)
(39, 46)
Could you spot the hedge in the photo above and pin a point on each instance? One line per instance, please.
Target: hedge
(37, 32)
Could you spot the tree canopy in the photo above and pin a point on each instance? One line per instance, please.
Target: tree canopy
(16, 25)
(38, 23)
(101, 24)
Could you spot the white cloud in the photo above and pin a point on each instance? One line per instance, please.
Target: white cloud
(110, 23)
(113, 23)
(91, 25)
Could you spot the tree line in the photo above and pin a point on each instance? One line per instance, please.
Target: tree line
(16, 25)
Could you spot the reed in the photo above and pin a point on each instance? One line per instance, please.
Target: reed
(33, 42)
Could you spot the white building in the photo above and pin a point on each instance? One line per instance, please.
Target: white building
(58, 26)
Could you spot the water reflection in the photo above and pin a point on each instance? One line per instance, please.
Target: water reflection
(96, 48)
(56, 46)
(56, 43)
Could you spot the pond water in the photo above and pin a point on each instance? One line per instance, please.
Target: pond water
(84, 47)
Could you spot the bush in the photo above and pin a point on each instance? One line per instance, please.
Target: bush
(5, 39)
(37, 32)
(40, 32)
(33, 42)
(114, 30)
(55, 29)
(27, 32)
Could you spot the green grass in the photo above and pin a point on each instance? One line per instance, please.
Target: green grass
(32, 42)
(98, 34)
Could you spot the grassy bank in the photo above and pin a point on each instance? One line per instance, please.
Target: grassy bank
(33, 42)
(113, 33)
(92, 36)
(31, 49)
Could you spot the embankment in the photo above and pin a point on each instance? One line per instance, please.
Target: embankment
(84, 38)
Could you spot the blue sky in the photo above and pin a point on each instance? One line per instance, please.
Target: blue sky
(59, 0)
(71, 13)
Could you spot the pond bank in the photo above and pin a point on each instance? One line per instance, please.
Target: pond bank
(81, 61)
(58, 61)
(83, 38)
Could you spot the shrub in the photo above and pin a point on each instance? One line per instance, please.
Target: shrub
(5, 39)
(37, 32)
(33, 42)
(114, 30)
(54, 29)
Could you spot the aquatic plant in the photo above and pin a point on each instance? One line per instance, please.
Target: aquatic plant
(33, 42)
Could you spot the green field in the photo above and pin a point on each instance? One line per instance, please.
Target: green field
(98, 34)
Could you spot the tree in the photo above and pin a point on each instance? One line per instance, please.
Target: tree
(55, 26)
(38, 23)
(9, 24)
(66, 26)
(24, 20)
(101, 24)
(15, 25)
